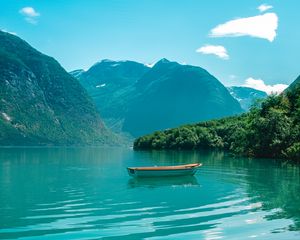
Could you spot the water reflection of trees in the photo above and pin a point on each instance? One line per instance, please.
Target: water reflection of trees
(277, 187)
(179, 157)
(273, 182)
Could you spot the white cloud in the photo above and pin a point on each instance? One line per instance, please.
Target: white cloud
(264, 7)
(30, 14)
(261, 26)
(259, 84)
(217, 50)
(31, 20)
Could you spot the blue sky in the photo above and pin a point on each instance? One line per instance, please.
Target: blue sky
(79, 33)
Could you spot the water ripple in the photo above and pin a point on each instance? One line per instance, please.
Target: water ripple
(225, 200)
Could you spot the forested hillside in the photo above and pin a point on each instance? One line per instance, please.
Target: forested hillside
(271, 129)
(40, 103)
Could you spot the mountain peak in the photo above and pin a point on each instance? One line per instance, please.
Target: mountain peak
(163, 60)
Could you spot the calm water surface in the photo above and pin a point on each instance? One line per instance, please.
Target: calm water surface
(85, 193)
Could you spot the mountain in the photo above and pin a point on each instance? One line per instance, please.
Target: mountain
(246, 96)
(171, 94)
(294, 85)
(134, 98)
(111, 84)
(271, 129)
(41, 104)
(77, 73)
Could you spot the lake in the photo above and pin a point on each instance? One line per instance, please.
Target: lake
(86, 193)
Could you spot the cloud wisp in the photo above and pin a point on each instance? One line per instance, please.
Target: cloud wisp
(30, 14)
(259, 84)
(264, 7)
(217, 50)
(261, 26)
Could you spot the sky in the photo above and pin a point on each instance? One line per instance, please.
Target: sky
(250, 43)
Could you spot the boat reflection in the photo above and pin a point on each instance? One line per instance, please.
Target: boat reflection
(186, 181)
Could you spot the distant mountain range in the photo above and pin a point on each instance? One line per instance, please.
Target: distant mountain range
(40, 103)
(137, 99)
(246, 96)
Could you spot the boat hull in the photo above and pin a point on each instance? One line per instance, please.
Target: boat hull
(161, 173)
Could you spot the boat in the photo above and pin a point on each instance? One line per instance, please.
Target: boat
(164, 171)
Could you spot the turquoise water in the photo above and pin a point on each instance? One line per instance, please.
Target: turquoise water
(85, 193)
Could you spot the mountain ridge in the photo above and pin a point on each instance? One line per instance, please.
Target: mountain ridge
(151, 89)
(246, 96)
(41, 103)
